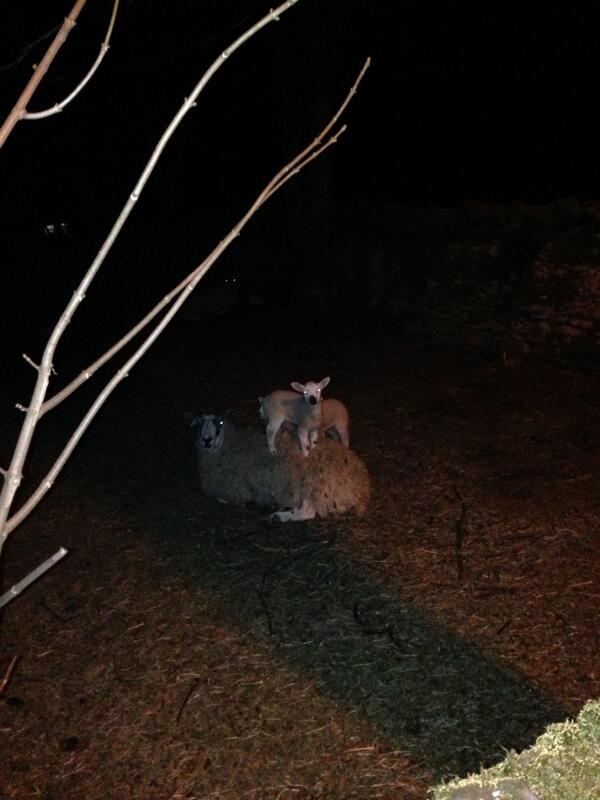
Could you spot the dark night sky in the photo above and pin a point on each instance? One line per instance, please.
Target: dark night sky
(464, 101)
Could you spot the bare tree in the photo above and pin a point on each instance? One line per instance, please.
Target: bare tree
(170, 304)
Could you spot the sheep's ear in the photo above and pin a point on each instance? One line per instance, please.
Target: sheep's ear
(324, 383)
(191, 418)
(297, 387)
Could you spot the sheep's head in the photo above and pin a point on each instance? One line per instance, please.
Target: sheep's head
(212, 432)
(310, 391)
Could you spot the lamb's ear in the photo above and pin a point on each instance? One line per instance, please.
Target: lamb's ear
(324, 383)
(297, 387)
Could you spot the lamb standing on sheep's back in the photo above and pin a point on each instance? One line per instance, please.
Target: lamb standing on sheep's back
(301, 408)
(236, 467)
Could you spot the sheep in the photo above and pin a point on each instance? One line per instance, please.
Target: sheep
(236, 467)
(302, 408)
(335, 419)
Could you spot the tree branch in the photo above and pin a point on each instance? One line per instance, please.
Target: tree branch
(42, 68)
(58, 107)
(276, 183)
(32, 576)
(177, 297)
(13, 477)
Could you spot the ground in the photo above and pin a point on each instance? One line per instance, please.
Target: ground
(186, 649)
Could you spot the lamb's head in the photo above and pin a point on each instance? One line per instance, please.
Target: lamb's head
(211, 433)
(310, 391)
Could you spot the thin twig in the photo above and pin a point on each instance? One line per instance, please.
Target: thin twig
(30, 362)
(58, 107)
(387, 630)
(9, 673)
(504, 626)
(32, 576)
(42, 68)
(13, 478)
(190, 281)
(122, 373)
(186, 700)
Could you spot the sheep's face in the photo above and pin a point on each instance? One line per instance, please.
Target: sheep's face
(211, 433)
(311, 391)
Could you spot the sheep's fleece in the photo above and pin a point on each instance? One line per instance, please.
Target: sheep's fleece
(331, 479)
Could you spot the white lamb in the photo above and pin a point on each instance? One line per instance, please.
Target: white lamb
(335, 420)
(236, 467)
(301, 408)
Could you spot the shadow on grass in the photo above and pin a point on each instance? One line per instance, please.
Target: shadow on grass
(433, 693)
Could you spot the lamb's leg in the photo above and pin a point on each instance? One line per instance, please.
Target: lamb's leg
(303, 435)
(305, 511)
(272, 429)
(345, 437)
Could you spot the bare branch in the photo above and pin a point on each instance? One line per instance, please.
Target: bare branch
(30, 362)
(276, 183)
(32, 576)
(177, 297)
(58, 107)
(32, 416)
(19, 109)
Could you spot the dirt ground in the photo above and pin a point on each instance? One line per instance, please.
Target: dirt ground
(186, 649)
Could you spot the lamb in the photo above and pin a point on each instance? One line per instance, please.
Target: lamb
(335, 419)
(236, 467)
(302, 408)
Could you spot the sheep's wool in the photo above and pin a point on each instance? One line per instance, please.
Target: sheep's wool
(331, 479)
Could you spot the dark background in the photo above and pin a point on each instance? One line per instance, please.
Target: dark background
(463, 102)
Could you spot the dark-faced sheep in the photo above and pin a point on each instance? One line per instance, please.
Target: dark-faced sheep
(236, 467)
